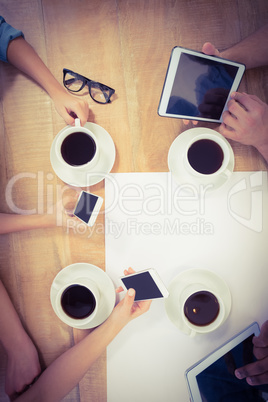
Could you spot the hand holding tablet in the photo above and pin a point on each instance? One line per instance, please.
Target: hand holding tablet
(257, 373)
(213, 378)
(198, 86)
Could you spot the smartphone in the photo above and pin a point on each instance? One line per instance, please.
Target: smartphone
(147, 284)
(88, 207)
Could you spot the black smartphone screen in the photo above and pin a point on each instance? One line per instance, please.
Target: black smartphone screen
(144, 286)
(85, 206)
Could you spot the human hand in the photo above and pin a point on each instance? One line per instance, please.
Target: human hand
(70, 107)
(127, 309)
(257, 373)
(246, 121)
(61, 213)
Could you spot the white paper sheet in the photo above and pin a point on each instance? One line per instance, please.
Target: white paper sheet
(150, 224)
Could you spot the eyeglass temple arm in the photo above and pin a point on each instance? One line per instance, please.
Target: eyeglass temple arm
(69, 81)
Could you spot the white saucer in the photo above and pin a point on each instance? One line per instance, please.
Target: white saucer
(176, 157)
(84, 178)
(178, 284)
(97, 275)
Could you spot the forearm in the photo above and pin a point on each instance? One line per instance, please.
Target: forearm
(65, 372)
(11, 330)
(24, 57)
(251, 51)
(17, 223)
(21, 54)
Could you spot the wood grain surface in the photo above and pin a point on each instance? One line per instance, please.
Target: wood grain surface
(125, 44)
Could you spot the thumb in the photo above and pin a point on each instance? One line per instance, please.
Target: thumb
(210, 49)
(262, 340)
(129, 298)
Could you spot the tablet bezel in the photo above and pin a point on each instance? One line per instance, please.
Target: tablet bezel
(170, 76)
(192, 372)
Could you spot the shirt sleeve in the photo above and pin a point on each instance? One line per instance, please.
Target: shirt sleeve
(7, 34)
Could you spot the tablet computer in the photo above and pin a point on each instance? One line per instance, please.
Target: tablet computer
(212, 379)
(198, 86)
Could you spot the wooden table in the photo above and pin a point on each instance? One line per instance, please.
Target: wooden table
(125, 44)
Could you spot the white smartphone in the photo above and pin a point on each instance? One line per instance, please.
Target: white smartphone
(198, 86)
(212, 379)
(147, 284)
(88, 207)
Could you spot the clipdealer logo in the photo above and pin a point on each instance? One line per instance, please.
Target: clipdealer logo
(254, 220)
(153, 200)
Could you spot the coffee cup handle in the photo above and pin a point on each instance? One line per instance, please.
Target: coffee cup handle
(57, 284)
(228, 172)
(192, 333)
(77, 123)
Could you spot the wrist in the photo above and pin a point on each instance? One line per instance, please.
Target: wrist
(54, 89)
(16, 341)
(115, 324)
(47, 220)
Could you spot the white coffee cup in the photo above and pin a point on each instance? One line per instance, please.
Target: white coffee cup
(202, 295)
(87, 151)
(77, 302)
(208, 157)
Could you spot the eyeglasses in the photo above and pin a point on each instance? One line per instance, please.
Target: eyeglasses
(75, 82)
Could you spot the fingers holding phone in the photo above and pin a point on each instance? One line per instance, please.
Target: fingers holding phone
(128, 271)
(128, 308)
(147, 284)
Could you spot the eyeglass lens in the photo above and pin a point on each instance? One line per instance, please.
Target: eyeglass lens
(97, 92)
(100, 94)
(73, 83)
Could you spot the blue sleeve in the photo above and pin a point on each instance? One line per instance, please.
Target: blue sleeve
(7, 33)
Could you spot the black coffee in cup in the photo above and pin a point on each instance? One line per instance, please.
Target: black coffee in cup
(202, 308)
(205, 156)
(78, 301)
(78, 149)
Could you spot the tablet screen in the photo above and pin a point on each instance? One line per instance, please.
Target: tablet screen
(196, 80)
(198, 86)
(212, 379)
(219, 383)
